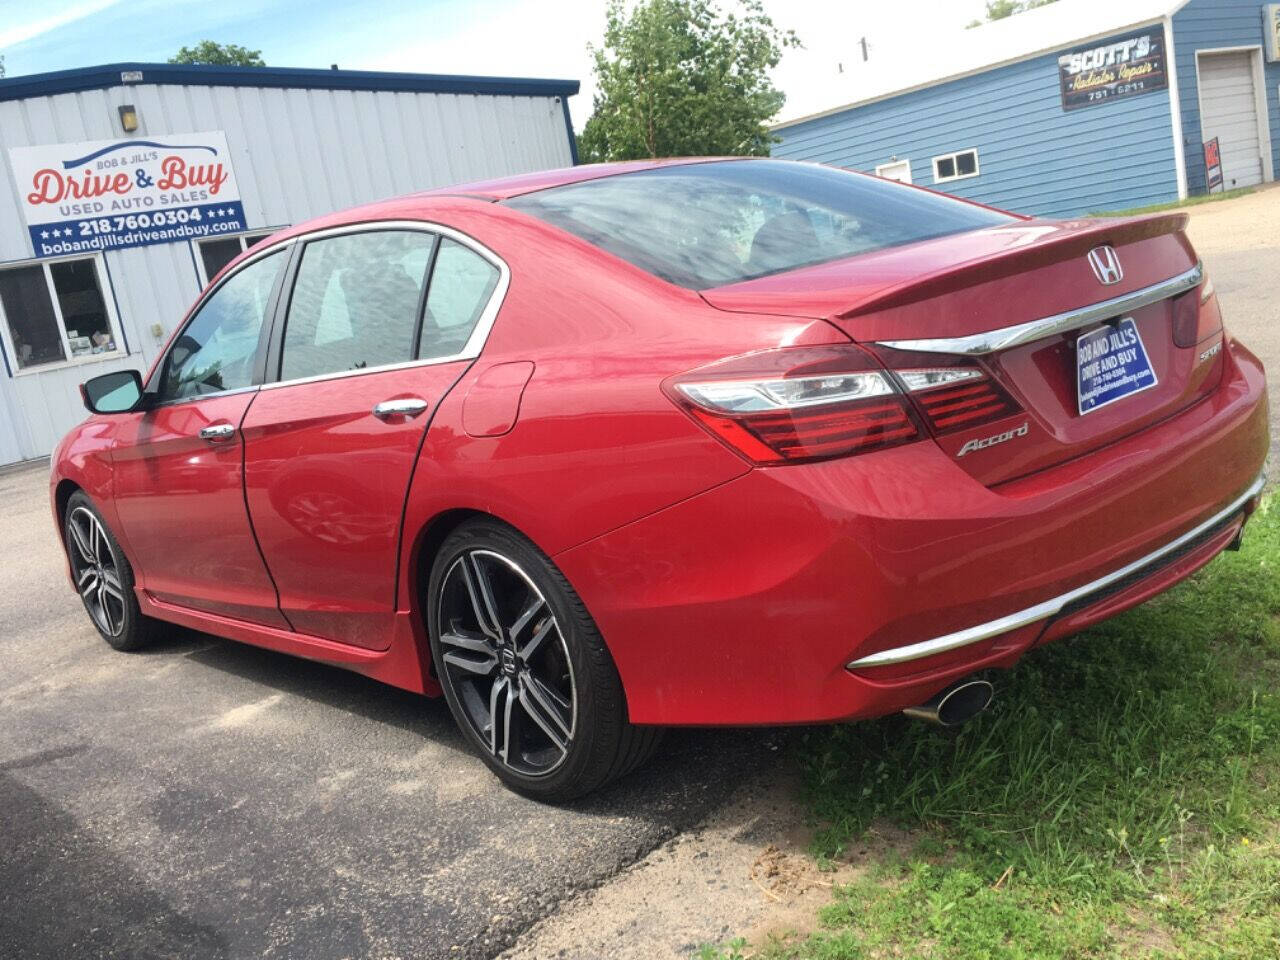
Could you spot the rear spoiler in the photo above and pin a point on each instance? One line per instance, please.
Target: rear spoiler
(1077, 239)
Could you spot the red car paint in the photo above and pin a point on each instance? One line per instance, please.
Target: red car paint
(727, 592)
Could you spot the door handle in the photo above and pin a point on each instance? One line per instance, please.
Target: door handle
(406, 407)
(218, 432)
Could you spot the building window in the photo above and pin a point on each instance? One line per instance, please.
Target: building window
(899, 170)
(217, 253)
(56, 312)
(955, 166)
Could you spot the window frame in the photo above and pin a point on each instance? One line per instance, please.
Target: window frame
(903, 162)
(954, 158)
(470, 350)
(201, 275)
(108, 301)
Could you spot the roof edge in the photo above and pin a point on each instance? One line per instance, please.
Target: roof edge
(1010, 61)
(112, 75)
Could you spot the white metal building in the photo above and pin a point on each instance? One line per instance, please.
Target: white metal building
(126, 186)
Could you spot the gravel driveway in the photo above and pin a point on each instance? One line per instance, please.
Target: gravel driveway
(1239, 241)
(207, 799)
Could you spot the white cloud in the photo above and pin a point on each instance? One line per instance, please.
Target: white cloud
(830, 69)
(13, 34)
(540, 39)
(525, 40)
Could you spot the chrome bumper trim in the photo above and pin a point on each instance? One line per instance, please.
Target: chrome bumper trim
(1042, 611)
(1005, 337)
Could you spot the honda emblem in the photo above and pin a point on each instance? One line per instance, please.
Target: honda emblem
(1106, 265)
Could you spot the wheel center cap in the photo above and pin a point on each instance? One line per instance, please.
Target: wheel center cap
(509, 663)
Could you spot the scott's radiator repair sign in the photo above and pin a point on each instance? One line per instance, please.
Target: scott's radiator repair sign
(1122, 68)
(104, 194)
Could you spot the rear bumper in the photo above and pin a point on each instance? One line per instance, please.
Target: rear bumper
(746, 604)
(1229, 518)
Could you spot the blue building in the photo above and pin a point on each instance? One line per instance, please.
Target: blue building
(1080, 106)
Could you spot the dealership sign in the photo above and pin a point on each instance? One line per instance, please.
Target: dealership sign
(1114, 70)
(106, 194)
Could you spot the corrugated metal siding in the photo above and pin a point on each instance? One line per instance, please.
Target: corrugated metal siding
(1034, 157)
(298, 153)
(1209, 25)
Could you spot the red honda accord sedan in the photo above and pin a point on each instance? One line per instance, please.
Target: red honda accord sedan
(600, 450)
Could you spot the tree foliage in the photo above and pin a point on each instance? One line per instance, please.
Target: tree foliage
(1, 64)
(1000, 9)
(219, 54)
(678, 78)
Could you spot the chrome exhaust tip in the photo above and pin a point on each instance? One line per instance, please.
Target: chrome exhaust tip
(956, 704)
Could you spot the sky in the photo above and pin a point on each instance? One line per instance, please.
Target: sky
(533, 38)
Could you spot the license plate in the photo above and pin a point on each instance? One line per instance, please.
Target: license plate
(1111, 364)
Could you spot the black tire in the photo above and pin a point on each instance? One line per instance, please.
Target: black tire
(104, 578)
(541, 657)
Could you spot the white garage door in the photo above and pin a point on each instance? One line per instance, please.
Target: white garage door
(1229, 111)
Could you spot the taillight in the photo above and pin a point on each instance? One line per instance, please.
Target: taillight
(798, 405)
(966, 402)
(1196, 316)
(951, 393)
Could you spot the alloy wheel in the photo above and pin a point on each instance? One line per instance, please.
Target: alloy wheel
(505, 659)
(95, 571)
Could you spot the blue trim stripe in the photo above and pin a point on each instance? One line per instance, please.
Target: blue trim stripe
(109, 75)
(568, 127)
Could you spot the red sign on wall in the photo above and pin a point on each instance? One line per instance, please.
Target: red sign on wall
(1213, 166)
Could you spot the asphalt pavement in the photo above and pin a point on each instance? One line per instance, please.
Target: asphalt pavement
(206, 799)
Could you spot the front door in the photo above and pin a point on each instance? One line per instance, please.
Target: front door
(363, 361)
(179, 466)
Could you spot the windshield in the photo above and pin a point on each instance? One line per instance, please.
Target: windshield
(705, 225)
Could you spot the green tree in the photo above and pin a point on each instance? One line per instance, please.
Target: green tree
(678, 78)
(219, 54)
(1, 64)
(999, 9)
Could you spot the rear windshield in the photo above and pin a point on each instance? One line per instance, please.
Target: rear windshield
(709, 224)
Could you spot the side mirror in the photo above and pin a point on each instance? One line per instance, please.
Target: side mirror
(117, 392)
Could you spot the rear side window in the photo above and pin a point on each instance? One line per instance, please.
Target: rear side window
(461, 284)
(355, 302)
(705, 225)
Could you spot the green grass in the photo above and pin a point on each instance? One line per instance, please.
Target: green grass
(1178, 204)
(1121, 798)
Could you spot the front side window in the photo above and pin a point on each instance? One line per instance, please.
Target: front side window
(704, 225)
(56, 312)
(355, 302)
(217, 349)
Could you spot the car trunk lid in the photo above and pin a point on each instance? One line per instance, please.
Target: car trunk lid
(1023, 306)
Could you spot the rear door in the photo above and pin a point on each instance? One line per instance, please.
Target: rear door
(379, 325)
